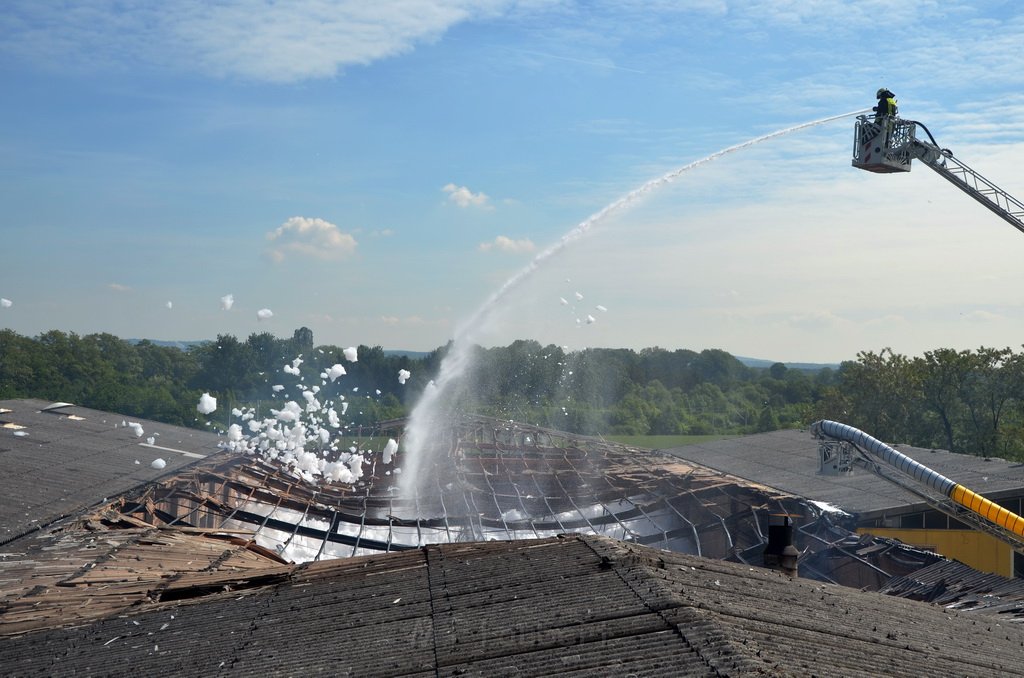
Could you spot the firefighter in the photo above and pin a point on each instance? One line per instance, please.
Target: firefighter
(886, 104)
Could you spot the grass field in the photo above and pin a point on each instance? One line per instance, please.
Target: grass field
(663, 442)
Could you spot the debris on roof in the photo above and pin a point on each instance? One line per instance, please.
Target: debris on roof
(959, 587)
(74, 457)
(574, 604)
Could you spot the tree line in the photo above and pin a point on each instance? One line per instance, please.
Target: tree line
(964, 401)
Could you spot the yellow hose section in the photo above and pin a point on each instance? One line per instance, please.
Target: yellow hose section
(987, 509)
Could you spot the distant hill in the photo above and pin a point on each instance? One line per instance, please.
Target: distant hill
(749, 362)
(407, 354)
(183, 345)
(765, 364)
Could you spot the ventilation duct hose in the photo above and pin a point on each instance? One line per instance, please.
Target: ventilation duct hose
(989, 510)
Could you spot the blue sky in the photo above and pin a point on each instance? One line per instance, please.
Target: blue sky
(375, 171)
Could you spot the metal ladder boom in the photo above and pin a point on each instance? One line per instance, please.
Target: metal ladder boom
(976, 186)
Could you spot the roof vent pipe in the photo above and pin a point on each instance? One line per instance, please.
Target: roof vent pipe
(780, 553)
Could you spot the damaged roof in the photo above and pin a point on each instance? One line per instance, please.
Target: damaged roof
(498, 480)
(232, 564)
(57, 459)
(574, 604)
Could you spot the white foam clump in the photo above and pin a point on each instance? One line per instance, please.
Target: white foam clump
(591, 320)
(170, 304)
(158, 463)
(136, 428)
(403, 376)
(601, 308)
(277, 388)
(290, 413)
(312, 404)
(6, 303)
(293, 369)
(227, 301)
(264, 314)
(337, 370)
(351, 354)
(389, 450)
(829, 508)
(303, 437)
(151, 440)
(207, 404)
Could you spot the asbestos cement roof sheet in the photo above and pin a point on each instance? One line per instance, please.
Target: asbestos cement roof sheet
(569, 605)
(57, 459)
(788, 462)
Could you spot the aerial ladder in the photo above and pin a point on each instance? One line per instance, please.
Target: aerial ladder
(889, 144)
(842, 447)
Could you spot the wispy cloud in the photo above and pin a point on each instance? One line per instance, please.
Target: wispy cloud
(604, 63)
(409, 321)
(463, 197)
(118, 287)
(251, 39)
(505, 244)
(310, 238)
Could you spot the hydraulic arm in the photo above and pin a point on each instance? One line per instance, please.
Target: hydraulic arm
(890, 144)
(949, 496)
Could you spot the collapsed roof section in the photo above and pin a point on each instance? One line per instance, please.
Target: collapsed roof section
(500, 480)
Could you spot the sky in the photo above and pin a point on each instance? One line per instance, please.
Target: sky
(378, 171)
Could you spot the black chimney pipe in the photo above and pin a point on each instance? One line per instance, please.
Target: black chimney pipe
(780, 553)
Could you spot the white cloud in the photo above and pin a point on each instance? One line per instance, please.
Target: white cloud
(252, 39)
(463, 197)
(506, 244)
(311, 238)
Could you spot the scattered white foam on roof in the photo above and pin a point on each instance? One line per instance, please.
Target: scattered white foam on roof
(227, 301)
(207, 404)
(829, 508)
(137, 428)
(264, 314)
(158, 463)
(21, 434)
